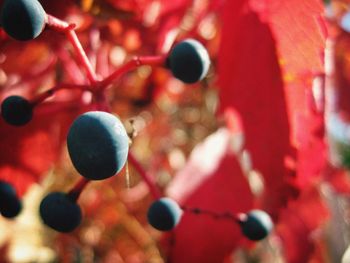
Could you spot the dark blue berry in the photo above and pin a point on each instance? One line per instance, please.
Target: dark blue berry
(98, 145)
(257, 225)
(189, 61)
(16, 110)
(164, 214)
(60, 212)
(22, 19)
(10, 204)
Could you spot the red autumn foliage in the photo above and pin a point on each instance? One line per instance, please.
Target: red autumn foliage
(23, 148)
(259, 63)
(268, 56)
(212, 180)
(250, 81)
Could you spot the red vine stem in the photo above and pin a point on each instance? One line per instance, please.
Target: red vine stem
(73, 38)
(51, 92)
(155, 192)
(78, 188)
(132, 64)
(68, 29)
(71, 67)
(237, 218)
(100, 101)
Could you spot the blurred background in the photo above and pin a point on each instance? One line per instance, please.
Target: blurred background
(267, 128)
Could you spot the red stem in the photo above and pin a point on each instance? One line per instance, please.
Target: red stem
(237, 218)
(132, 64)
(102, 61)
(71, 67)
(146, 176)
(40, 98)
(100, 101)
(73, 38)
(68, 29)
(58, 24)
(78, 188)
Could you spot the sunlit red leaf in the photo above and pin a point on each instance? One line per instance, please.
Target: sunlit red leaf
(250, 81)
(299, 31)
(212, 180)
(312, 154)
(259, 59)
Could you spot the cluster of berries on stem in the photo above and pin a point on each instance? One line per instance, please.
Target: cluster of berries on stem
(98, 144)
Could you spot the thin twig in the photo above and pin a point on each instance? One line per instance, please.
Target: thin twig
(146, 176)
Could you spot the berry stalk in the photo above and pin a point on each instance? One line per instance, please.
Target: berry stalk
(132, 64)
(40, 98)
(237, 218)
(57, 24)
(255, 225)
(100, 101)
(70, 66)
(73, 38)
(64, 27)
(77, 189)
(155, 192)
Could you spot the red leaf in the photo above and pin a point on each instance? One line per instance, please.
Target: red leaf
(29, 151)
(312, 154)
(342, 81)
(339, 179)
(212, 180)
(298, 28)
(250, 81)
(256, 38)
(298, 223)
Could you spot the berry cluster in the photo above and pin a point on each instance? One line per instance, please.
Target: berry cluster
(98, 144)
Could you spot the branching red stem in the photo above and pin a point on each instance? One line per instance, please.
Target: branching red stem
(52, 91)
(64, 27)
(73, 38)
(132, 64)
(71, 67)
